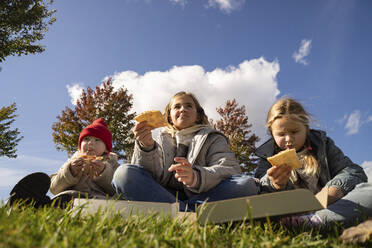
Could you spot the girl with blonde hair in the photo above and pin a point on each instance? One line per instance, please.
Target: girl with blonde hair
(323, 164)
(190, 162)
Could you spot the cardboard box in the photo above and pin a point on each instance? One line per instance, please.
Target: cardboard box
(126, 208)
(261, 206)
(238, 209)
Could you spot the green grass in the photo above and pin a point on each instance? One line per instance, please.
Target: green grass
(24, 226)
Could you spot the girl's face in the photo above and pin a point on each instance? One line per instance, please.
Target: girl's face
(92, 146)
(288, 133)
(183, 112)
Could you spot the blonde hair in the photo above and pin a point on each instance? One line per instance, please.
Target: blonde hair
(293, 110)
(201, 118)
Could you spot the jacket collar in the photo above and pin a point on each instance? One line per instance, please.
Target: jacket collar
(266, 149)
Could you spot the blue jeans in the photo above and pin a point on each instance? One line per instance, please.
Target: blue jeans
(132, 182)
(352, 208)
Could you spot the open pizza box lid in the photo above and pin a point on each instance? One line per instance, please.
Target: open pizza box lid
(258, 206)
(262, 206)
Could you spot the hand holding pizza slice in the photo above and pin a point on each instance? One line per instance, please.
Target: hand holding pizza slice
(92, 166)
(283, 163)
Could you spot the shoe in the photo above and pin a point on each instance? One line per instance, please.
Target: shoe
(306, 220)
(32, 189)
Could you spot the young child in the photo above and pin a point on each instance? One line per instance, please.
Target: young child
(189, 163)
(323, 164)
(88, 173)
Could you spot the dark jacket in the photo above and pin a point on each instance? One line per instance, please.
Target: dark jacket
(336, 169)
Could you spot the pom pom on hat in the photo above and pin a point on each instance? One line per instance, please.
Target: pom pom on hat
(99, 130)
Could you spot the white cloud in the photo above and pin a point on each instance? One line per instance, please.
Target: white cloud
(180, 2)
(253, 84)
(353, 123)
(9, 177)
(369, 119)
(342, 120)
(367, 166)
(226, 5)
(74, 91)
(303, 51)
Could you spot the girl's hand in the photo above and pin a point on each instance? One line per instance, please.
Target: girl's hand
(279, 175)
(96, 168)
(184, 171)
(142, 132)
(76, 166)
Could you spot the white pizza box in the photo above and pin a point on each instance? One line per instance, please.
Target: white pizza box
(238, 209)
(126, 208)
(262, 206)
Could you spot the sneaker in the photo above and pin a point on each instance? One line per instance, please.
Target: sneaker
(306, 220)
(32, 189)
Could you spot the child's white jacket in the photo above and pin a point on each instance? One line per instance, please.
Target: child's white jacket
(63, 182)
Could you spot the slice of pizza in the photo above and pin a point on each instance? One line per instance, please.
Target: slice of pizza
(154, 118)
(288, 157)
(89, 158)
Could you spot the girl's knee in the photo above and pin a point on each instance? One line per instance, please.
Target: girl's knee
(245, 185)
(251, 185)
(126, 172)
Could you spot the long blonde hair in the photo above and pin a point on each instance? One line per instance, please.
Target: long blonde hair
(201, 118)
(293, 110)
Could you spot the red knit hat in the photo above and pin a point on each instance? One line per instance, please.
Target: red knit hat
(99, 130)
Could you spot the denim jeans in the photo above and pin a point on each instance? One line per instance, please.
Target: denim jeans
(352, 208)
(134, 183)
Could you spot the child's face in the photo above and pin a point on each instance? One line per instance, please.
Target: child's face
(92, 146)
(288, 133)
(183, 112)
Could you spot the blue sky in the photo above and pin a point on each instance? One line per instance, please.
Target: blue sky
(255, 51)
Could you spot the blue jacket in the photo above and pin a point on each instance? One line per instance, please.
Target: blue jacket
(336, 169)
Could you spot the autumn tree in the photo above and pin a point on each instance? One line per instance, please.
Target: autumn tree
(22, 23)
(105, 102)
(8, 138)
(234, 124)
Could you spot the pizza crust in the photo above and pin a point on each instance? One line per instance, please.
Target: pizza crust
(286, 157)
(154, 118)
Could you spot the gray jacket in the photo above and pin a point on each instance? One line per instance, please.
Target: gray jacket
(336, 169)
(208, 154)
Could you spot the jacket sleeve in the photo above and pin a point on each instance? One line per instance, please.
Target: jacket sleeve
(63, 179)
(220, 162)
(344, 173)
(104, 180)
(265, 184)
